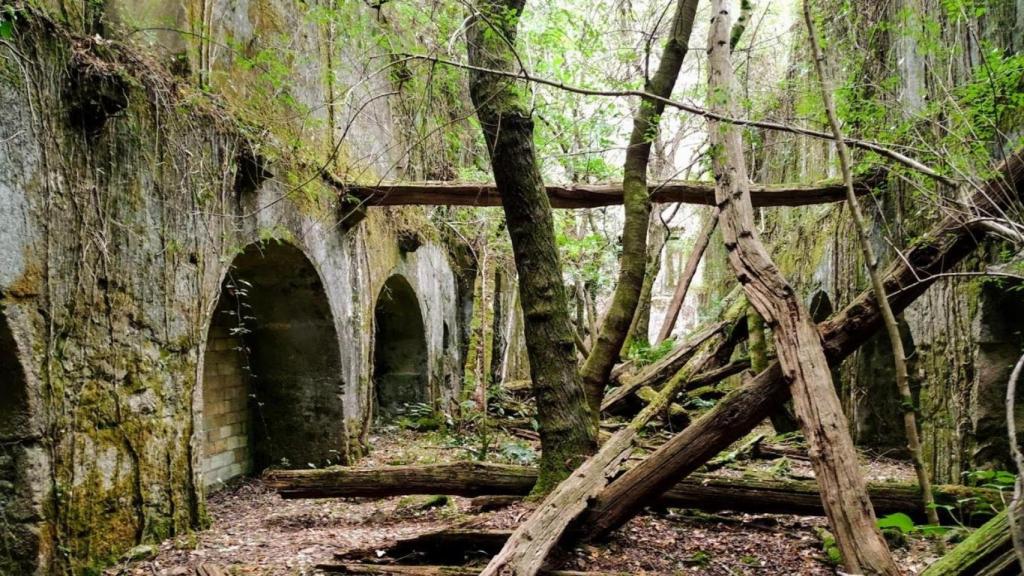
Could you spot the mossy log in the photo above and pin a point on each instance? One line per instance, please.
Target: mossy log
(456, 479)
(391, 570)
(986, 552)
(708, 493)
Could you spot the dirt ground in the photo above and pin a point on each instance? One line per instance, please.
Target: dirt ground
(255, 532)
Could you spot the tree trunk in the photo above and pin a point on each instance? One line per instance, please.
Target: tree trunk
(456, 479)
(871, 263)
(701, 244)
(568, 432)
(637, 205)
(782, 419)
(703, 492)
(936, 252)
(639, 330)
(1015, 519)
(797, 341)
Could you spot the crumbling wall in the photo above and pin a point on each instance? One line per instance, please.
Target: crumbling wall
(125, 197)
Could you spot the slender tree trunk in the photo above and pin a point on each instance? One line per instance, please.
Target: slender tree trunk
(567, 430)
(637, 204)
(797, 340)
(657, 235)
(871, 263)
(701, 244)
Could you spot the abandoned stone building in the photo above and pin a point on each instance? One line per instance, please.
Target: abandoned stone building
(179, 308)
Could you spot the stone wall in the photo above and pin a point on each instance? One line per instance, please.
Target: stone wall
(960, 356)
(126, 197)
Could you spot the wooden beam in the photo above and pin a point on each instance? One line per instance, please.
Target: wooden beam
(590, 195)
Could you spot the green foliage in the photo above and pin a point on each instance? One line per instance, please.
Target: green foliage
(519, 453)
(830, 547)
(419, 416)
(898, 521)
(995, 479)
(8, 18)
(642, 353)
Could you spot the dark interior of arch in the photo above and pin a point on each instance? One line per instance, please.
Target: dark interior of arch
(272, 372)
(19, 513)
(400, 349)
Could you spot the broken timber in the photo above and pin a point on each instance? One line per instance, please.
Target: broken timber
(708, 493)
(590, 195)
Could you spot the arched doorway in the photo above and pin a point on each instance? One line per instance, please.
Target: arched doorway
(272, 388)
(400, 373)
(19, 514)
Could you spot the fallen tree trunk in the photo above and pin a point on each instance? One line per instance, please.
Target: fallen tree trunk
(906, 279)
(589, 195)
(457, 479)
(802, 497)
(986, 552)
(709, 493)
(389, 570)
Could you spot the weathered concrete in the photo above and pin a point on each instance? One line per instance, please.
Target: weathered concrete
(125, 199)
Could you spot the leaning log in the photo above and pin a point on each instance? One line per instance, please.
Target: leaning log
(588, 195)
(456, 479)
(391, 570)
(709, 493)
(906, 279)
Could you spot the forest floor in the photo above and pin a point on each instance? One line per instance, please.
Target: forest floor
(255, 532)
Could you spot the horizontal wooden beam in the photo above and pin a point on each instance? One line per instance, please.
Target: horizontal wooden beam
(590, 195)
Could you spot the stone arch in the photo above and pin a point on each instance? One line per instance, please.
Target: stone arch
(400, 362)
(272, 386)
(20, 518)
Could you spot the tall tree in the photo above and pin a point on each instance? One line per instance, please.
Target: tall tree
(568, 432)
(637, 205)
(797, 339)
